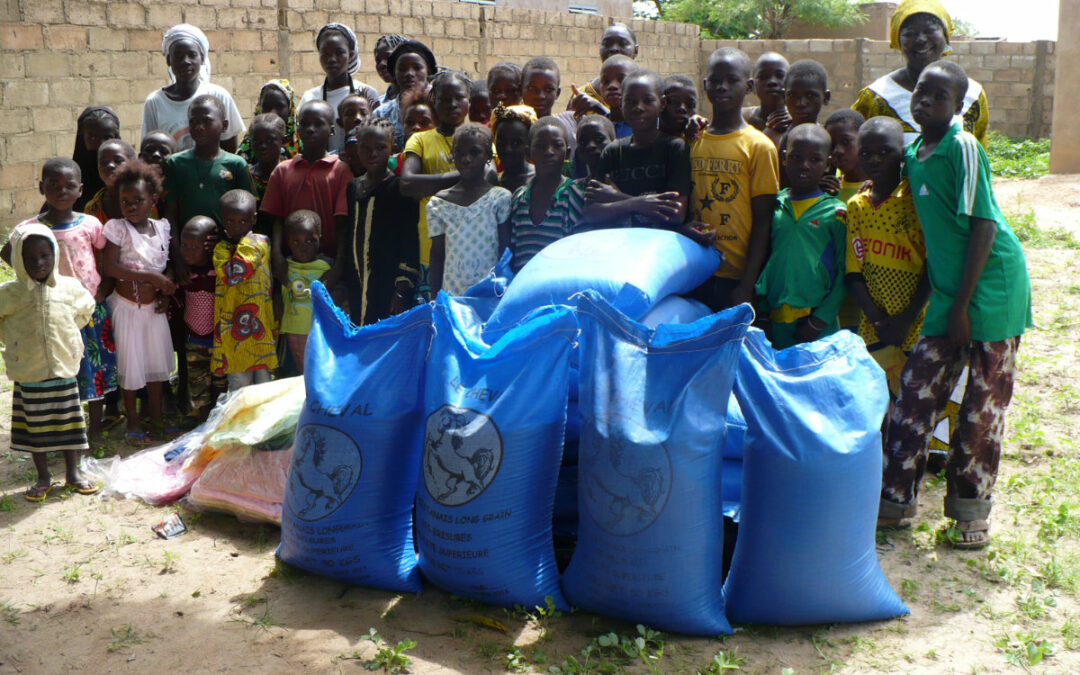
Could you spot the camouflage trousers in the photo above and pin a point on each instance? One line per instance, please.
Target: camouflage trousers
(929, 376)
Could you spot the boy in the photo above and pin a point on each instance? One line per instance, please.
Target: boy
(539, 90)
(352, 110)
(843, 127)
(504, 84)
(197, 240)
(594, 132)
(980, 305)
(734, 178)
(196, 179)
(302, 233)
(314, 180)
(806, 91)
(612, 74)
(680, 104)
(479, 102)
(886, 253)
(770, 115)
(802, 285)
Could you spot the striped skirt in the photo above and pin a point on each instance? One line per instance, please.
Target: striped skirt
(47, 416)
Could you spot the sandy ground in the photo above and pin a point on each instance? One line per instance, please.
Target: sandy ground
(86, 586)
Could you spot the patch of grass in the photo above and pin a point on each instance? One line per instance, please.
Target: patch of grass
(723, 662)
(389, 659)
(514, 661)
(1025, 649)
(1017, 157)
(10, 613)
(612, 653)
(168, 562)
(125, 636)
(1027, 230)
(71, 574)
(262, 622)
(7, 504)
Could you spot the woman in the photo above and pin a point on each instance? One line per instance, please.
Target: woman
(920, 30)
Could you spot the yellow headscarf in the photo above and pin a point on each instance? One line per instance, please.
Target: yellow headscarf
(908, 8)
(520, 113)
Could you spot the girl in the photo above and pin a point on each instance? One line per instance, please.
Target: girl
(267, 137)
(464, 220)
(105, 204)
(384, 46)
(41, 313)
(510, 127)
(96, 125)
(187, 53)
(411, 63)
(429, 165)
(137, 255)
(339, 59)
(276, 97)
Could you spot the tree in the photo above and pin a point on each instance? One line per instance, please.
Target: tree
(765, 19)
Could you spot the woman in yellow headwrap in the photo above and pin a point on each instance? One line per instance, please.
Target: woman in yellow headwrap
(920, 30)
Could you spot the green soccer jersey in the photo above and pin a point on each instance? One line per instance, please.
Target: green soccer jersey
(806, 266)
(199, 184)
(950, 187)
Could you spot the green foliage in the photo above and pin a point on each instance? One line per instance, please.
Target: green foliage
(764, 19)
(124, 637)
(612, 653)
(1017, 157)
(388, 659)
(723, 662)
(1025, 649)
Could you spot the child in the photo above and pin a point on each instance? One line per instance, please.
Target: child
(429, 165)
(463, 220)
(197, 240)
(504, 84)
(339, 59)
(105, 205)
(616, 39)
(41, 313)
(980, 305)
(187, 53)
(244, 326)
(511, 131)
(302, 233)
(802, 284)
(479, 102)
(411, 64)
(612, 74)
(381, 263)
(540, 87)
(314, 180)
(350, 154)
(734, 174)
(770, 115)
(266, 139)
(154, 149)
(96, 125)
(886, 253)
(79, 237)
(196, 178)
(680, 104)
(806, 91)
(843, 127)
(549, 206)
(384, 47)
(594, 132)
(137, 255)
(647, 175)
(352, 110)
(418, 117)
(276, 97)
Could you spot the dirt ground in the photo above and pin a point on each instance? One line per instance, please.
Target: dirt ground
(86, 586)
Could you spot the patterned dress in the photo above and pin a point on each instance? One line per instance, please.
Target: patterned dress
(244, 325)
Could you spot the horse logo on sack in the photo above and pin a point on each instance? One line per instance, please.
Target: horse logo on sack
(626, 484)
(462, 454)
(325, 468)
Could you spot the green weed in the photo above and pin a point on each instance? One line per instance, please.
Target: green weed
(1017, 157)
(10, 613)
(514, 661)
(71, 574)
(124, 637)
(1027, 230)
(389, 659)
(723, 662)
(1025, 649)
(7, 504)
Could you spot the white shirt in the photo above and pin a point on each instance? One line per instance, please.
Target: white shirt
(334, 97)
(161, 113)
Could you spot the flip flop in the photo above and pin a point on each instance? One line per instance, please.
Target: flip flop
(39, 493)
(85, 488)
(971, 527)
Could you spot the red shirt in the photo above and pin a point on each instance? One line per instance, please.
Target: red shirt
(320, 187)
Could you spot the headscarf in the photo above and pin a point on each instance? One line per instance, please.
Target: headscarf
(909, 8)
(186, 31)
(350, 37)
(87, 159)
(413, 47)
(390, 40)
(515, 113)
(292, 141)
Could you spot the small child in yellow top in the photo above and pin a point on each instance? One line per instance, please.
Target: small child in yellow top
(244, 326)
(303, 232)
(886, 252)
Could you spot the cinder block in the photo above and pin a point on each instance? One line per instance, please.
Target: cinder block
(107, 39)
(164, 16)
(1010, 48)
(231, 18)
(1027, 62)
(47, 65)
(980, 47)
(15, 121)
(16, 176)
(315, 19)
(269, 40)
(12, 67)
(65, 38)
(262, 19)
(125, 15)
(204, 17)
(30, 147)
(44, 11)
(382, 7)
(90, 65)
(822, 46)
(27, 202)
(246, 40)
(146, 41)
(1009, 75)
(25, 93)
(57, 118)
(328, 5)
(16, 37)
(392, 24)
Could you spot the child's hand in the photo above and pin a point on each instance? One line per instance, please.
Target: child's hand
(892, 330)
(959, 326)
(805, 331)
(694, 126)
(161, 304)
(698, 232)
(829, 184)
(583, 104)
(603, 193)
(663, 206)
(164, 284)
(401, 301)
(778, 120)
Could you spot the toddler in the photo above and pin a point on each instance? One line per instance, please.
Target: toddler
(96, 124)
(463, 220)
(511, 131)
(802, 284)
(244, 325)
(137, 256)
(41, 313)
(187, 53)
(302, 233)
(197, 240)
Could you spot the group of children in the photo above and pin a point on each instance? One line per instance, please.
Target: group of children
(389, 198)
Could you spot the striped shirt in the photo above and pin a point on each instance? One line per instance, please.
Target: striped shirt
(561, 219)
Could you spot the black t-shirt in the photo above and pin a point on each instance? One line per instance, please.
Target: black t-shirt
(662, 166)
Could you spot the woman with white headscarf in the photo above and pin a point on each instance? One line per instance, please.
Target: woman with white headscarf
(339, 58)
(187, 53)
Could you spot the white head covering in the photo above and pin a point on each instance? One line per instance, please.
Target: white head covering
(18, 238)
(350, 37)
(186, 31)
